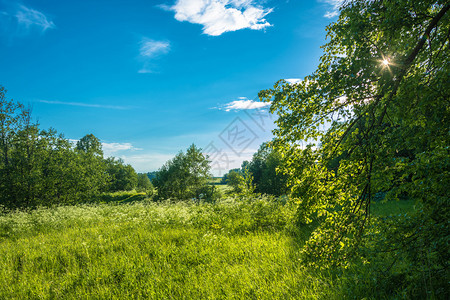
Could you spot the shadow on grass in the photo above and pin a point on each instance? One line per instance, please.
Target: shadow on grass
(121, 197)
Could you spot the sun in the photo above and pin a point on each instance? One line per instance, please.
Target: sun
(386, 63)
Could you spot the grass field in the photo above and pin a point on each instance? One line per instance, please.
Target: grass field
(143, 250)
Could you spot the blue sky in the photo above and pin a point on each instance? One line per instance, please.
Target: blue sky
(149, 78)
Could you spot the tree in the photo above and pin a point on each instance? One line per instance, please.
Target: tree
(151, 175)
(245, 187)
(376, 114)
(92, 167)
(144, 184)
(90, 144)
(240, 179)
(185, 176)
(264, 168)
(226, 179)
(122, 177)
(58, 165)
(233, 179)
(12, 117)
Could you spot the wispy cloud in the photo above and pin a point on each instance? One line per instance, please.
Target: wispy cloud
(84, 104)
(149, 50)
(219, 16)
(335, 5)
(29, 17)
(19, 21)
(145, 70)
(110, 149)
(243, 103)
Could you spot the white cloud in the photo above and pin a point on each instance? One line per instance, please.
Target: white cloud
(293, 80)
(28, 17)
(150, 50)
(244, 103)
(331, 14)
(84, 104)
(335, 4)
(219, 16)
(110, 148)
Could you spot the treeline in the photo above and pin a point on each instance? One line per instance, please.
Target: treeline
(41, 167)
(188, 176)
(262, 172)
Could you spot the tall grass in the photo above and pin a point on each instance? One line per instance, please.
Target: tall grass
(233, 249)
(229, 250)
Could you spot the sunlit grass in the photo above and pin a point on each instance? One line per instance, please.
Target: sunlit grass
(233, 249)
(159, 251)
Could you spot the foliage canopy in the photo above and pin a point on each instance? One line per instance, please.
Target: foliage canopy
(375, 115)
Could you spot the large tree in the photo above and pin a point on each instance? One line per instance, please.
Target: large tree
(122, 176)
(92, 168)
(90, 144)
(185, 176)
(375, 114)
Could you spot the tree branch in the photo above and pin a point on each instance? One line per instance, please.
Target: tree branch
(410, 58)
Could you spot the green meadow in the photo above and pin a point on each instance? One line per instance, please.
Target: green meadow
(233, 249)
